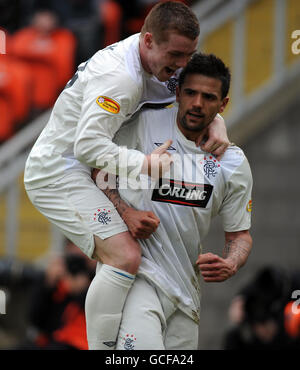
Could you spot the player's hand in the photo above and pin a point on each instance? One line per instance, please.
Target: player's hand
(158, 162)
(217, 139)
(215, 268)
(141, 224)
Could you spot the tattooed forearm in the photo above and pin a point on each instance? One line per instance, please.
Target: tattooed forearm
(238, 248)
(114, 196)
(109, 186)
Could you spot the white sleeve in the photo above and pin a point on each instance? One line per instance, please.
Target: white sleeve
(98, 124)
(236, 207)
(131, 133)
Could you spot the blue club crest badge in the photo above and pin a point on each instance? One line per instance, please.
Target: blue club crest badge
(128, 342)
(102, 216)
(210, 166)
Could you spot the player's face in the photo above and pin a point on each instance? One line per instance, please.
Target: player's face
(165, 58)
(199, 100)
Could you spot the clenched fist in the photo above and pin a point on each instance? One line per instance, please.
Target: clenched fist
(214, 268)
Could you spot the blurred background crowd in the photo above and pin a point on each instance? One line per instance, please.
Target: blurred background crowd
(46, 305)
(45, 41)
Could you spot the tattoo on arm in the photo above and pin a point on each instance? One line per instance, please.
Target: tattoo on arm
(114, 196)
(238, 250)
(109, 186)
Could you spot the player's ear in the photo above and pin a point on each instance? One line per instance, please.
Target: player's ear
(148, 40)
(223, 105)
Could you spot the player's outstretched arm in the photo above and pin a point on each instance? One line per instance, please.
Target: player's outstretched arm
(141, 224)
(236, 251)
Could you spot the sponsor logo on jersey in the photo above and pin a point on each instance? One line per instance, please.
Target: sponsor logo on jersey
(108, 104)
(249, 206)
(169, 148)
(182, 193)
(110, 343)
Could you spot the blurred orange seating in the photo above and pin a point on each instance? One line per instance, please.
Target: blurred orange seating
(15, 95)
(111, 16)
(50, 58)
(292, 319)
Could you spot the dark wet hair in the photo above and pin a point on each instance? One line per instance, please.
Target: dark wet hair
(208, 65)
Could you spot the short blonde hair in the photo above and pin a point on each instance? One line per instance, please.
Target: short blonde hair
(171, 16)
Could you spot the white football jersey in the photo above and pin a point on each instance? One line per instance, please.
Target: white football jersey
(105, 91)
(197, 188)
